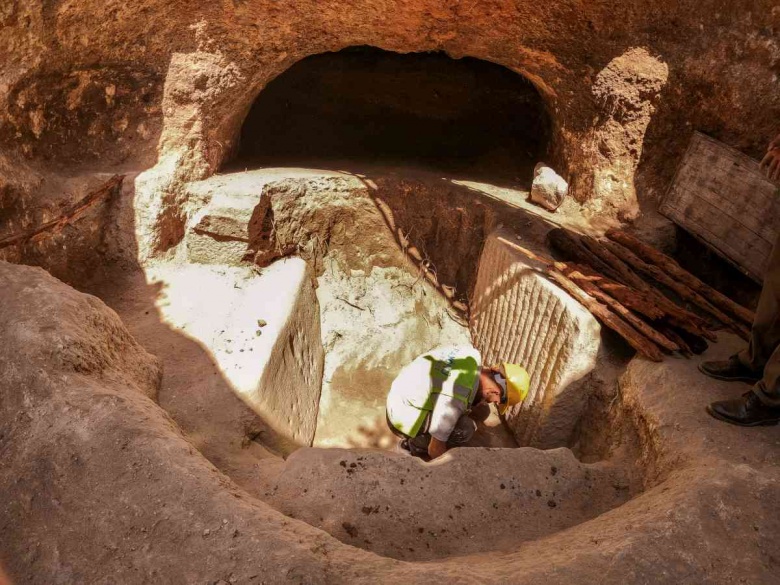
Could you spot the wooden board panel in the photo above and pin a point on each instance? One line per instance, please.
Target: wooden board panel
(720, 196)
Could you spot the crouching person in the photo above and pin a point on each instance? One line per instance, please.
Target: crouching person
(429, 402)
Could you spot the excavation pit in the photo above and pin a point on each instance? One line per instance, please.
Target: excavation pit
(311, 289)
(396, 262)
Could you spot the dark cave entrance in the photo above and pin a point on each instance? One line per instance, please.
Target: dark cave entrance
(465, 116)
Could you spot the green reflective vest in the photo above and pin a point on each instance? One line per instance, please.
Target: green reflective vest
(452, 371)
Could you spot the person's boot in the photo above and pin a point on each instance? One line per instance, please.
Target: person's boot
(747, 411)
(730, 370)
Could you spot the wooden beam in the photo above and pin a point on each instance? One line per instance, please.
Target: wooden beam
(636, 339)
(685, 293)
(54, 226)
(673, 269)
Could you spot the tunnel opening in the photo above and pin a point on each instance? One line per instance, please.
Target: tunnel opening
(466, 116)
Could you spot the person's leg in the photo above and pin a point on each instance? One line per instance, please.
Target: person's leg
(463, 431)
(758, 407)
(765, 335)
(461, 435)
(418, 446)
(748, 365)
(768, 389)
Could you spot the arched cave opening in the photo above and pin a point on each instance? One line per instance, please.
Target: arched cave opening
(365, 105)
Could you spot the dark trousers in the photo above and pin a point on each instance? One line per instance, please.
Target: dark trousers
(763, 352)
(418, 446)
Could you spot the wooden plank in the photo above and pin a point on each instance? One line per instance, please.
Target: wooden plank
(720, 195)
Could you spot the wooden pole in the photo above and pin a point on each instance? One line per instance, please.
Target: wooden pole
(635, 339)
(571, 247)
(627, 275)
(673, 269)
(54, 226)
(676, 315)
(685, 293)
(637, 301)
(637, 323)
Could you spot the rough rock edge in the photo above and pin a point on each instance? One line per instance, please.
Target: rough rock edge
(98, 481)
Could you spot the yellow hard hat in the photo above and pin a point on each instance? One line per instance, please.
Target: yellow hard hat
(517, 383)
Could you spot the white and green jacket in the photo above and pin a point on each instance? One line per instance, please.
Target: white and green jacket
(451, 371)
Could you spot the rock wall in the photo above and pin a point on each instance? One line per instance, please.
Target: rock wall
(262, 331)
(625, 84)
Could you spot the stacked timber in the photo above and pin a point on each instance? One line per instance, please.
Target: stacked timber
(631, 288)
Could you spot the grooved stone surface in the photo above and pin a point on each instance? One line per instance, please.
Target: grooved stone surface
(518, 315)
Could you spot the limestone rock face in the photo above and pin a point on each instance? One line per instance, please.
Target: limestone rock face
(485, 500)
(262, 332)
(519, 316)
(549, 189)
(182, 78)
(218, 234)
(48, 325)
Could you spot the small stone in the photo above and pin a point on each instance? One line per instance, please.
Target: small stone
(548, 189)
(206, 532)
(262, 323)
(258, 333)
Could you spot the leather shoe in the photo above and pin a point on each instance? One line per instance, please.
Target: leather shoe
(747, 411)
(730, 370)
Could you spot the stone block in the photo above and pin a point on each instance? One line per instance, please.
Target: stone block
(549, 189)
(274, 366)
(218, 233)
(518, 315)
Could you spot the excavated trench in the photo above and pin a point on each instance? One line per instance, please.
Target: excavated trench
(369, 213)
(322, 286)
(294, 296)
(310, 288)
